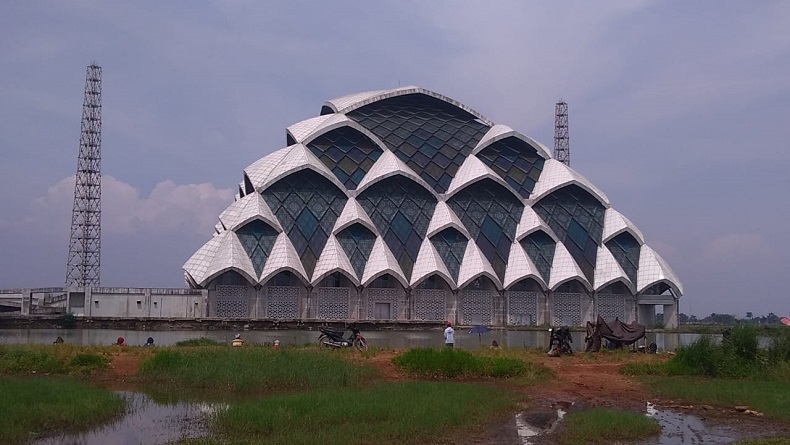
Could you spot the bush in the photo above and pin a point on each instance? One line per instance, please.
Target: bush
(200, 341)
(449, 363)
(741, 341)
(92, 360)
(67, 320)
(780, 346)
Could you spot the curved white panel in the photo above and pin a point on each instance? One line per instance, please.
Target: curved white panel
(300, 130)
(614, 223)
(428, 263)
(608, 270)
(474, 265)
(557, 175)
(259, 170)
(653, 269)
(473, 170)
(520, 266)
(353, 213)
(245, 210)
(298, 158)
(499, 132)
(530, 222)
(283, 257)
(564, 269)
(230, 255)
(333, 259)
(382, 261)
(389, 165)
(198, 263)
(444, 217)
(344, 102)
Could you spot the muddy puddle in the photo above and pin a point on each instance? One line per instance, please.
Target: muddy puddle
(146, 422)
(677, 428)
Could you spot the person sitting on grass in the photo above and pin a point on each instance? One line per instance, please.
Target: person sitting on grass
(237, 341)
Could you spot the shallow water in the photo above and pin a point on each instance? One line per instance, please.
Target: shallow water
(389, 338)
(146, 422)
(677, 428)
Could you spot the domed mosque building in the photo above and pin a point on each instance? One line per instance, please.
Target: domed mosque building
(404, 204)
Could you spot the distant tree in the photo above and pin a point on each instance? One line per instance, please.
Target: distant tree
(772, 318)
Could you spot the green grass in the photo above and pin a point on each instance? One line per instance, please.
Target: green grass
(765, 441)
(199, 341)
(391, 413)
(251, 369)
(36, 406)
(444, 363)
(768, 397)
(605, 426)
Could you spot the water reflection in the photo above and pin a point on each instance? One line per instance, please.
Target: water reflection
(146, 422)
(678, 428)
(388, 338)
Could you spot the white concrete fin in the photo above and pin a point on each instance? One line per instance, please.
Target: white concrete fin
(428, 263)
(564, 268)
(499, 132)
(299, 158)
(283, 257)
(520, 267)
(530, 222)
(198, 263)
(556, 175)
(444, 217)
(349, 103)
(246, 209)
(653, 269)
(474, 265)
(230, 255)
(218, 228)
(301, 130)
(353, 213)
(608, 270)
(473, 170)
(614, 223)
(388, 165)
(259, 170)
(333, 259)
(381, 261)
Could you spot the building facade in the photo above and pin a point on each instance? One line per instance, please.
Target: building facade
(404, 204)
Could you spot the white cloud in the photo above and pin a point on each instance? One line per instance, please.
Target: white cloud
(169, 207)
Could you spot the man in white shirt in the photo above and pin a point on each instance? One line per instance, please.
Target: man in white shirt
(449, 335)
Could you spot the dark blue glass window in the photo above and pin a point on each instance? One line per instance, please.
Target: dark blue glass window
(491, 213)
(307, 205)
(401, 210)
(517, 162)
(430, 135)
(257, 238)
(347, 152)
(576, 217)
(451, 245)
(625, 249)
(540, 248)
(357, 242)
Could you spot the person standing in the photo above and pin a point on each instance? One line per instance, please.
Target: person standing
(449, 335)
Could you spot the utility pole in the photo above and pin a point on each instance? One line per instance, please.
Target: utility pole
(562, 147)
(83, 265)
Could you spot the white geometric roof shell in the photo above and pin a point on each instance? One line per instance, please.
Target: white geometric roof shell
(246, 209)
(614, 223)
(653, 269)
(499, 132)
(608, 271)
(557, 175)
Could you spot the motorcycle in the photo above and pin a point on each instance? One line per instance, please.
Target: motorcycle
(331, 338)
(560, 340)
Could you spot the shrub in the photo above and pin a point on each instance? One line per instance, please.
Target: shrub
(449, 363)
(90, 360)
(741, 341)
(200, 341)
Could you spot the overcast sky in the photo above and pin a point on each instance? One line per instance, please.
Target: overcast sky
(679, 112)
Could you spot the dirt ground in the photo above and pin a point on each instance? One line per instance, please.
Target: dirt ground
(581, 380)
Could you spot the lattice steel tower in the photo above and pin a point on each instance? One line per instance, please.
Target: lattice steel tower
(562, 146)
(82, 268)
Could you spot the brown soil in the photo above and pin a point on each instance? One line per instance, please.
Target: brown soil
(587, 380)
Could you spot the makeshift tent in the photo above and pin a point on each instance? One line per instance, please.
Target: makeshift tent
(616, 332)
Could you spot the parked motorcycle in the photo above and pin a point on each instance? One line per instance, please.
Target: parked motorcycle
(331, 338)
(560, 340)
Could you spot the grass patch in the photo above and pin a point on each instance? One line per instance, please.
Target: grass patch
(768, 397)
(392, 413)
(445, 363)
(31, 359)
(765, 441)
(604, 426)
(36, 406)
(251, 369)
(200, 341)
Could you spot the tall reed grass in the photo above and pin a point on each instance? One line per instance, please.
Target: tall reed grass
(251, 369)
(450, 363)
(35, 406)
